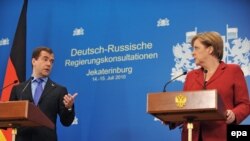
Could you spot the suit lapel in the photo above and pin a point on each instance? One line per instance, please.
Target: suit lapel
(26, 93)
(199, 77)
(218, 73)
(50, 85)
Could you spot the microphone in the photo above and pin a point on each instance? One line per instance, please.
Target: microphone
(14, 82)
(25, 87)
(205, 82)
(164, 88)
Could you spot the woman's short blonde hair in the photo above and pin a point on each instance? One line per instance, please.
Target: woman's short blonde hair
(212, 39)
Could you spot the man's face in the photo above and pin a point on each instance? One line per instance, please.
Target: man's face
(43, 64)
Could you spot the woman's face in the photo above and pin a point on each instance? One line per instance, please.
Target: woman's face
(201, 53)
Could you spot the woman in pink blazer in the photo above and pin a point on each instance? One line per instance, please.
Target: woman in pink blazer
(227, 79)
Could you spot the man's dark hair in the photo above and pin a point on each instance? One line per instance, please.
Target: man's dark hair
(38, 50)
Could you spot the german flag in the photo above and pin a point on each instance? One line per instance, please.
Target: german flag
(16, 66)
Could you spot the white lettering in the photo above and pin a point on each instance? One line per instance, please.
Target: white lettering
(129, 47)
(238, 133)
(88, 51)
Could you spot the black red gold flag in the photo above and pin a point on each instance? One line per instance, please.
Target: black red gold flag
(16, 65)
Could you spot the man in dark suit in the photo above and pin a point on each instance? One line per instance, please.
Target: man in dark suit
(51, 98)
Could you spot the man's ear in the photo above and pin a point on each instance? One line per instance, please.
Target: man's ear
(33, 61)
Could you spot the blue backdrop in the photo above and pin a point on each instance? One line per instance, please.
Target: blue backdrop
(113, 53)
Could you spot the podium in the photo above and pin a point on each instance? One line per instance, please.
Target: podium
(14, 114)
(186, 106)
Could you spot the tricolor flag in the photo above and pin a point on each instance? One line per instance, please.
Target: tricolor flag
(16, 66)
(232, 33)
(190, 35)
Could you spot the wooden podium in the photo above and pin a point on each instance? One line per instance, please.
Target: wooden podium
(186, 106)
(14, 114)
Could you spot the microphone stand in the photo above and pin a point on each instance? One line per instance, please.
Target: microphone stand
(164, 88)
(172, 125)
(190, 119)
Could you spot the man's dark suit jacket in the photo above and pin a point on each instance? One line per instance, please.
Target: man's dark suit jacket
(50, 103)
